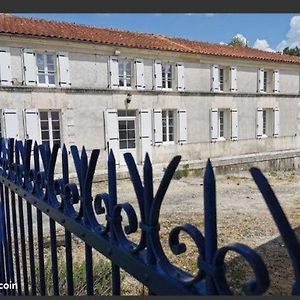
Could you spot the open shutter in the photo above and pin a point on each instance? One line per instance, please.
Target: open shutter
(259, 123)
(5, 66)
(114, 72)
(215, 81)
(276, 81)
(145, 133)
(157, 75)
(29, 67)
(276, 122)
(233, 79)
(157, 126)
(214, 124)
(64, 73)
(140, 80)
(11, 123)
(112, 133)
(180, 76)
(182, 126)
(260, 83)
(31, 117)
(234, 124)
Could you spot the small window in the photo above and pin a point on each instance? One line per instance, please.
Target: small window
(267, 122)
(50, 127)
(224, 124)
(221, 78)
(265, 81)
(166, 76)
(168, 125)
(125, 74)
(46, 69)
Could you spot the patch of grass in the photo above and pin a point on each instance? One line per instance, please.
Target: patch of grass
(184, 172)
(273, 174)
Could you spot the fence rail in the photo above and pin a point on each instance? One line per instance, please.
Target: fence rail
(31, 196)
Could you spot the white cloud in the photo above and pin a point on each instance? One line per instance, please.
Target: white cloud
(262, 45)
(292, 38)
(223, 43)
(241, 37)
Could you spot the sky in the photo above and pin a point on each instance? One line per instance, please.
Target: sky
(271, 32)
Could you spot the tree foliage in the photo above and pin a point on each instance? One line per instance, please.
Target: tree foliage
(292, 51)
(237, 42)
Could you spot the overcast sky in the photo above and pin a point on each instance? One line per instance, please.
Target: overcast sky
(270, 32)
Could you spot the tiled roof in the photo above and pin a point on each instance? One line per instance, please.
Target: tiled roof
(30, 27)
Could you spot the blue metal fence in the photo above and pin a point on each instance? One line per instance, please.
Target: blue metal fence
(74, 207)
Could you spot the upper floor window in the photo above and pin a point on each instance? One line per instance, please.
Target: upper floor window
(221, 79)
(166, 76)
(265, 81)
(168, 125)
(125, 73)
(50, 127)
(46, 69)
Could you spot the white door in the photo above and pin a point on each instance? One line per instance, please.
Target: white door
(127, 133)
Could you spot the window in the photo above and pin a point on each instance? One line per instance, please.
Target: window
(46, 68)
(267, 122)
(127, 135)
(125, 73)
(221, 124)
(265, 81)
(166, 76)
(264, 122)
(168, 125)
(221, 78)
(50, 127)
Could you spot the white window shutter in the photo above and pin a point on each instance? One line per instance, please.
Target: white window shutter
(182, 126)
(214, 124)
(29, 67)
(180, 76)
(157, 75)
(233, 79)
(11, 123)
(276, 81)
(276, 122)
(259, 123)
(145, 133)
(31, 117)
(5, 66)
(215, 80)
(260, 80)
(64, 69)
(157, 126)
(140, 80)
(114, 72)
(112, 133)
(234, 124)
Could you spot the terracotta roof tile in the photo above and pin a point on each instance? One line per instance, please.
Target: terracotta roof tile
(10, 24)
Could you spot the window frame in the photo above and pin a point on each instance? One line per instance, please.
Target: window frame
(126, 118)
(124, 62)
(222, 83)
(167, 141)
(163, 68)
(50, 129)
(46, 72)
(265, 81)
(268, 123)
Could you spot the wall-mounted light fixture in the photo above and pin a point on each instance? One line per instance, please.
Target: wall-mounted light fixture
(117, 52)
(128, 98)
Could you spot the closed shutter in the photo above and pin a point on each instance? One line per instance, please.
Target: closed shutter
(31, 117)
(234, 124)
(157, 75)
(112, 133)
(215, 81)
(276, 122)
(5, 66)
(29, 67)
(233, 79)
(214, 124)
(64, 69)
(260, 82)
(157, 126)
(259, 123)
(180, 76)
(182, 126)
(114, 72)
(276, 81)
(140, 80)
(11, 123)
(145, 133)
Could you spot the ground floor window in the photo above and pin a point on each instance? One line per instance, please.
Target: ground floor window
(50, 127)
(127, 131)
(267, 122)
(168, 125)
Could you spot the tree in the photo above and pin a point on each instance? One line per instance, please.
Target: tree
(292, 51)
(238, 41)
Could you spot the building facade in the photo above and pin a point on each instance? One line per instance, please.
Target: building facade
(135, 92)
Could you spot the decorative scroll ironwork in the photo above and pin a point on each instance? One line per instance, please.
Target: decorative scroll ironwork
(76, 209)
